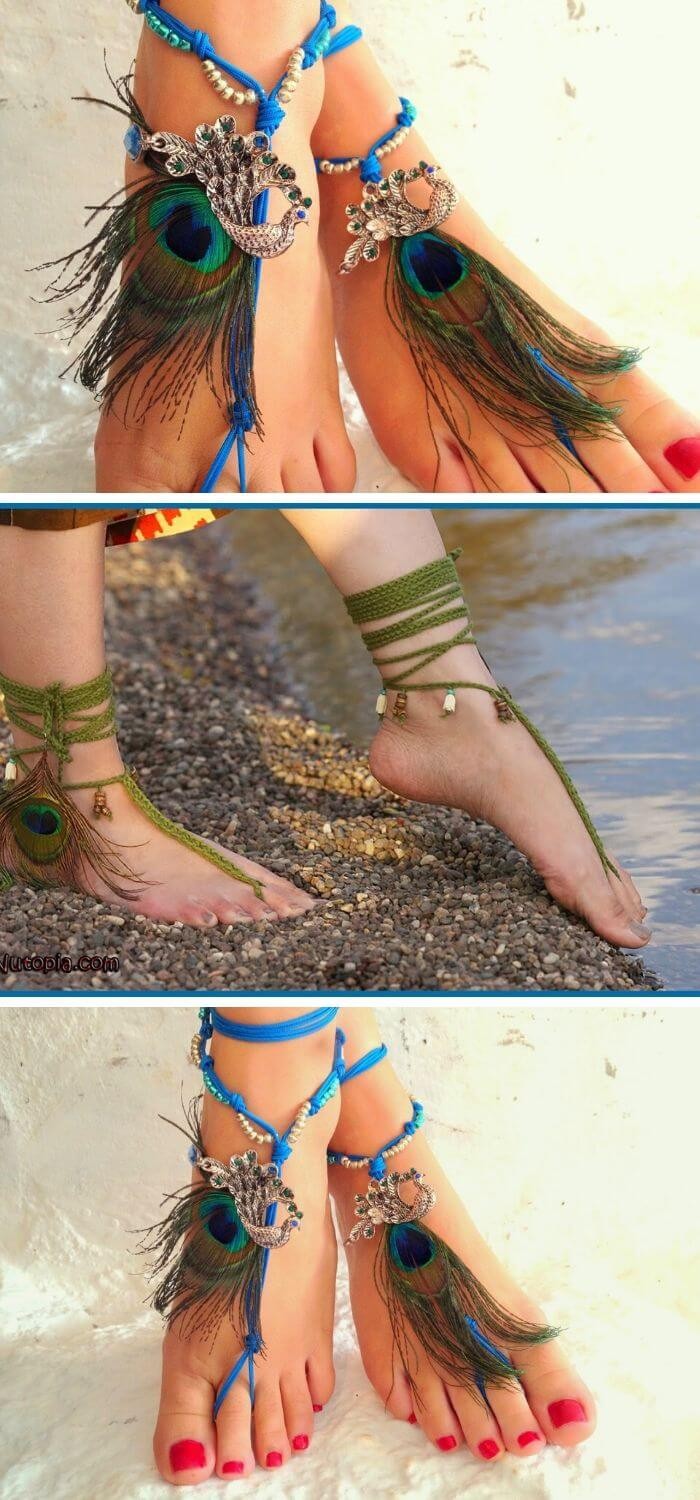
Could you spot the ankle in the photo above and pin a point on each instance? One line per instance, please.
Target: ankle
(273, 1078)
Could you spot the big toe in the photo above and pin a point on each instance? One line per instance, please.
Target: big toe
(562, 1404)
(184, 1442)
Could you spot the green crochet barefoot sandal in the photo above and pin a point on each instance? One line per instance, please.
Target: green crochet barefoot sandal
(45, 840)
(417, 602)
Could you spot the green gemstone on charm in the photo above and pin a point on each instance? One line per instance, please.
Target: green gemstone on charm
(307, 202)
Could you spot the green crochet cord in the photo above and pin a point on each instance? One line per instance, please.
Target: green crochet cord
(60, 717)
(433, 596)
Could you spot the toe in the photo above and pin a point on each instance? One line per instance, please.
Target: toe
(385, 1372)
(298, 1410)
(617, 466)
(519, 1428)
(562, 1405)
(197, 913)
(478, 1424)
(234, 1449)
(320, 1377)
(270, 1441)
(603, 903)
(433, 1412)
(184, 1442)
(666, 436)
(335, 458)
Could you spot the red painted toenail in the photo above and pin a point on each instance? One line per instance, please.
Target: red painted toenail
(563, 1412)
(526, 1438)
(685, 457)
(300, 1442)
(446, 1443)
(413, 1418)
(274, 1460)
(234, 1466)
(318, 1408)
(187, 1455)
(488, 1449)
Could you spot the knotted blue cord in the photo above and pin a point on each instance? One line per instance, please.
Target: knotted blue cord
(370, 167)
(212, 1021)
(270, 115)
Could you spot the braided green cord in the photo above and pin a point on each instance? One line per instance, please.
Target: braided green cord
(190, 840)
(426, 592)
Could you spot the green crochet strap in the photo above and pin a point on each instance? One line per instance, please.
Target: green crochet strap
(190, 840)
(429, 593)
(64, 715)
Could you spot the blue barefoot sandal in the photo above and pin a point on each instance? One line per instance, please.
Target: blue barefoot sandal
(431, 1296)
(471, 331)
(187, 241)
(210, 1254)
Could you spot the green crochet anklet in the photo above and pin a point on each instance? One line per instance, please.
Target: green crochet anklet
(45, 840)
(433, 596)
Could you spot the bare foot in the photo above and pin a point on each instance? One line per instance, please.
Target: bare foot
(295, 1378)
(305, 447)
(551, 1404)
(658, 447)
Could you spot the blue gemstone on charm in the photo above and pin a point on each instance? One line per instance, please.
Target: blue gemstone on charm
(300, 213)
(133, 142)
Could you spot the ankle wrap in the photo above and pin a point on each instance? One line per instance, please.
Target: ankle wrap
(211, 1251)
(429, 1293)
(432, 596)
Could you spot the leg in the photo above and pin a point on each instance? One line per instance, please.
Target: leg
(465, 761)
(295, 1379)
(659, 444)
(52, 631)
(552, 1405)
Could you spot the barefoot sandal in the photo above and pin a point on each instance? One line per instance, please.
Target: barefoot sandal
(429, 1293)
(45, 840)
(472, 332)
(190, 237)
(212, 1250)
(427, 597)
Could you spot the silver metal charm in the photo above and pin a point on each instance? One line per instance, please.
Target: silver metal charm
(233, 170)
(387, 213)
(383, 1204)
(254, 1187)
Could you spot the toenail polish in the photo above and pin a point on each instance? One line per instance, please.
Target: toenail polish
(684, 457)
(447, 1443)
(488, 1449)
(300, 1442)
(563, 1412)
(413, 1419)
(274, 1460)
(317, 1408)
(187, 1454)
(233, 1466)
(526, 1438)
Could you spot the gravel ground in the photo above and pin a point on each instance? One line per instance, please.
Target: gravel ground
(413, 899)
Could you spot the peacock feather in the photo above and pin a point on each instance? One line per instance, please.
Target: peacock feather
(46, 840)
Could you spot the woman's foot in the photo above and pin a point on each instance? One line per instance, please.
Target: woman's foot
(294, 1378)
(551, 1406)
(495, 771)
(305, 445)
(659, 446)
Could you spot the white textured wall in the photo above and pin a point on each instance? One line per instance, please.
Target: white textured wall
(571, 1135)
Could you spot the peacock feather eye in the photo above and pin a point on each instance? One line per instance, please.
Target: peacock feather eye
(218, 1214)
(410, 1248)
(432, 265)
(188, 229)
(41, 830)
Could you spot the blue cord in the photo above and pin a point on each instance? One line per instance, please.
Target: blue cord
(274, 1031)
(377, 1164)
(370, 166)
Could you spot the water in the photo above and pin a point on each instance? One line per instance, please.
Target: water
(591, 618)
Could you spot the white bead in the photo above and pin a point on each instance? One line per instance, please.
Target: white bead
(283, 96)
(450, 704)
(10, 771)
(250, 96)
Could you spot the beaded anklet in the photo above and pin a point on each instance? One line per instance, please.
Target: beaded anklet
(189, 239)
(430, 1294)
(45, 840)
(211, 1252)
(472, 332)
(431, 596)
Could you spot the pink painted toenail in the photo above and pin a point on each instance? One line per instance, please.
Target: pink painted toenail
(318, 1408)
(488, 1449)
(413, 1418)
(685, 457)
(187, 1454)
(563, 1412)
(447, 1443)
(300, 1442)
(234, 1466)
(526, 1438)
(274, 1460)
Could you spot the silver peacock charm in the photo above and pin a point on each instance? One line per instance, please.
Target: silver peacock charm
(254, 1188)
(383, 1204)
(386, 212)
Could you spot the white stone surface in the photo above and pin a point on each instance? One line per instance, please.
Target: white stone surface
(572, 1135)
(571, 124)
